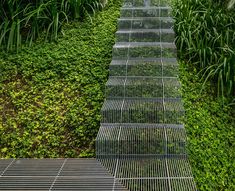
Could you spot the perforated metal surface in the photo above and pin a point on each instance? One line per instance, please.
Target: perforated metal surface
(142, 140)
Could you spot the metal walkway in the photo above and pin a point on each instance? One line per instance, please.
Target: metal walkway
(55, 174)
(141, 140)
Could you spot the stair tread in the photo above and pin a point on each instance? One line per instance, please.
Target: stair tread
(144, 44)
(145, 30)
(146, 18)
(146, 8)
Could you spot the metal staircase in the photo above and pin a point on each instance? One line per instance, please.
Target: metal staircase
(142, 139)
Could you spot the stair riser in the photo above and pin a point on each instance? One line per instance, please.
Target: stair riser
(133, 111)
(127, 148)
(141, 3)
(143, 52)
(145, 37)
(164, 12)
(144, 88)
(144, 68)
(145, 23)
(149, 116)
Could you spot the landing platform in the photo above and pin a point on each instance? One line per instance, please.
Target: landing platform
(56, 174)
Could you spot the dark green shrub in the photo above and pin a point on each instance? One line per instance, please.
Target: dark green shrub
(23, 21)
(205, 32)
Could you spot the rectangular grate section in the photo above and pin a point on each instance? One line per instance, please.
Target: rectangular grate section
(156, 174)
(56, 174)
(142, 87)
(143, 50)
(167, 67)
(25, 183)
(142, 110)
(146, 12)
(4, 165)
(34, 167)
(91, 184)
(133, 140)
(145, 35)
(84, 168)
(146, 3)
(127, 23)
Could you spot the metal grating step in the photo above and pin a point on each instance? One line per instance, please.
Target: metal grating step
(142, 110)
(127, 50)
(145, 87)
(152, 173)
(146, 3)
(144, 67)
(127, 140)
(145, 35)
(162, 184)
(146, 12)
(145, 23)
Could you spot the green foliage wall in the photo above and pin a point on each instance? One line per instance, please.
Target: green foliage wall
(23, 21)
(51, 94)
(205, 32)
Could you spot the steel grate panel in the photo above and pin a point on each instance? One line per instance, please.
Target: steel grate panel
(145, 35)
(56, 174)
(164, 184)
(145, 23)
(169, 68)
(146, 184)
(83, 168)
(148, 3)
(175, 172)
(142, 110)
(34, 167)
(143, 50)
(171, 88)
(141, 168)
(128, 140)
(26, 183)
(153, 168)
(136, 68)
(133, 110)
(183, 184)
(91, 184)
(146, 12)
(145, 87)
(179, 168)
(4, 165)
(145, 67)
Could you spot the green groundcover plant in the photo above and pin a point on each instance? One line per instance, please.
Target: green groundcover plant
(51, 94)
(211, 134)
